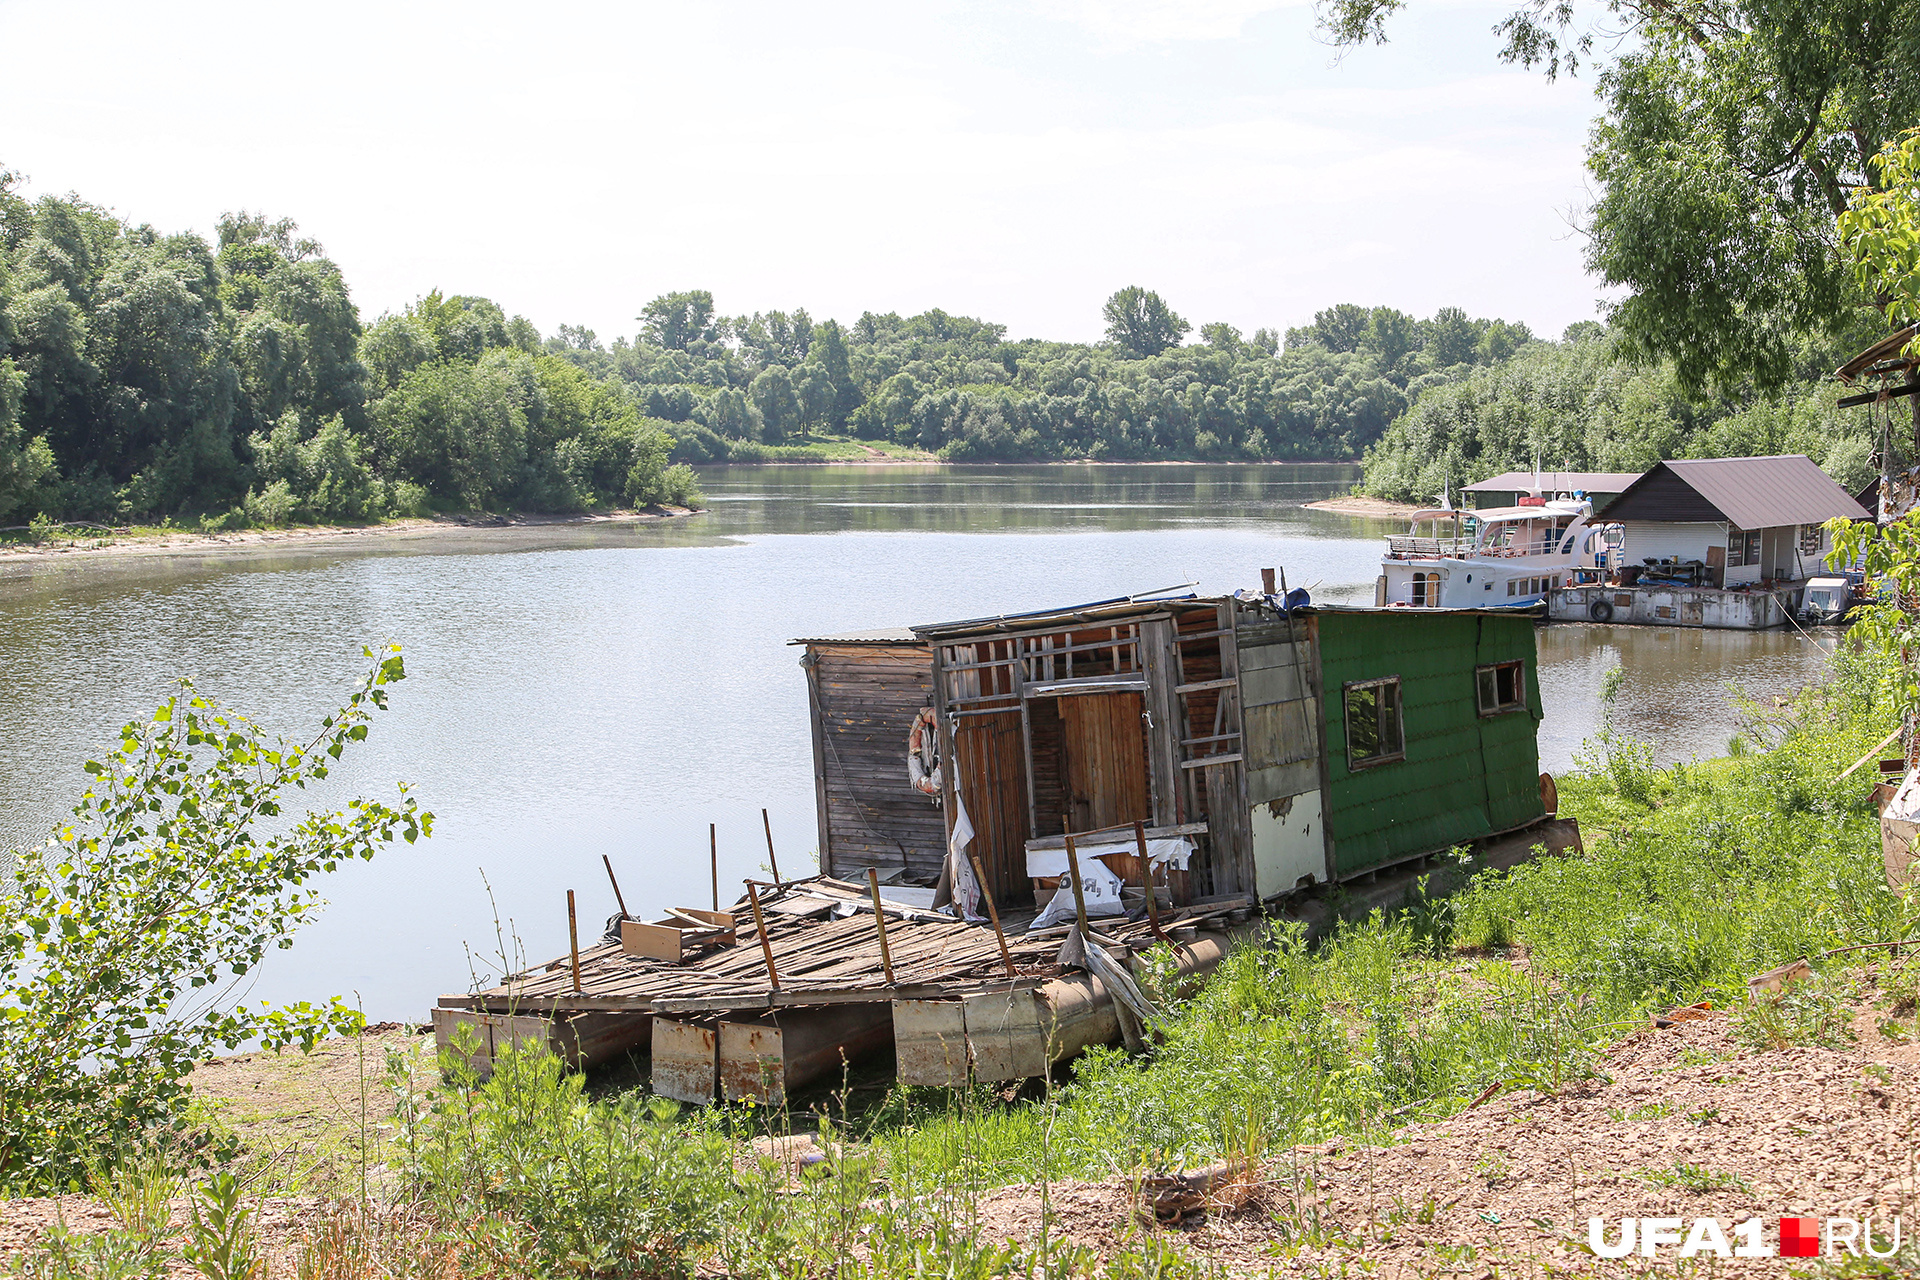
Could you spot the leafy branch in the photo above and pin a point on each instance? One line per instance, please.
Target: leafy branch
(123, 936)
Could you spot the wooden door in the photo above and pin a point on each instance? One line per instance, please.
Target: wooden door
(1106, 751)
(992, 782)
(1716, 564)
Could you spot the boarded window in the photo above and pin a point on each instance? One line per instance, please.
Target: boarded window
(1502, 686)
(1373, 722)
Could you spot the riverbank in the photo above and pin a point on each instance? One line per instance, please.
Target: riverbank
(159, 541)
(1359, 505)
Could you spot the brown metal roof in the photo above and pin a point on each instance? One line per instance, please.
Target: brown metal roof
(1558, 481)
(1750, 493)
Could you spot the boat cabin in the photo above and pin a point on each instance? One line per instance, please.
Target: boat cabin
(1489, 558)
(1263, 749)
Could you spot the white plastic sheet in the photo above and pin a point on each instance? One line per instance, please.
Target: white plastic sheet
(1168, 850)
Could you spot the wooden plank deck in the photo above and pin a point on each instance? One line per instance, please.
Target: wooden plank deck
(829, 960)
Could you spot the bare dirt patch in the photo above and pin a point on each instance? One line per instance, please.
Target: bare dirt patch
(1690, 1125)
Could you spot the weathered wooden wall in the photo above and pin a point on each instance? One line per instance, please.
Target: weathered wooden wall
(864, 698)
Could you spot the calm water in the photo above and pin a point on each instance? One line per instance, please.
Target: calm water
(613, 689)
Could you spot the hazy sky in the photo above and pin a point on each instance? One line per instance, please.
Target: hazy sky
(1013, 161)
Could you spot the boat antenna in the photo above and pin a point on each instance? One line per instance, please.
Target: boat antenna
(1446, 486)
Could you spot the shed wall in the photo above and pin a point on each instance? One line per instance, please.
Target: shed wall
(865, 698)
(1464, 776)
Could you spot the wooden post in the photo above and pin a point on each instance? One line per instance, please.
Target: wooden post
(616, 886)
(1146, 873)
(993, 914)
(1079, 894)
(573, 936)
(772, 861)
(880, 924)
(766, 943)
(713, 851)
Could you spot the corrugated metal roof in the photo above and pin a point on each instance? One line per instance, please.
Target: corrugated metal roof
(885, 635)
(1071, 613)
(1558, 481)
(1751, 493)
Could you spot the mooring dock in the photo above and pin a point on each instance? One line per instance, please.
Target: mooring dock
(727, 1008)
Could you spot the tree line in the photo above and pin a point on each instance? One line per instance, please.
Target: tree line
(150, 375)
(147, 375)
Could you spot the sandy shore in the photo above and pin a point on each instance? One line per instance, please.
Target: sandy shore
(188, 541)
(1355, 505)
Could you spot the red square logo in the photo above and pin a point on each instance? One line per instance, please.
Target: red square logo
(1799, 1237)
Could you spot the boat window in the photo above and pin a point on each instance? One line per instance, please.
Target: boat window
(1513, 586)
(1502, 687)
(1373, 722)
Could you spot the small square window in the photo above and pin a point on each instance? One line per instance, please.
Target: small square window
(1373, 722)
(1502, 687)
(1511, 584)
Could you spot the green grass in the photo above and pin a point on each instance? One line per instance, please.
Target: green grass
(1694, 877)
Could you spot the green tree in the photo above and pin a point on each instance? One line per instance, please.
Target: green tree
(1141, 324)
(1732, 134)
(827, 351)
(779, 407)
(1449, 338)
(1222, 337)
(122, 936)
(1389, 335)
(1341, 327)
(676, 320)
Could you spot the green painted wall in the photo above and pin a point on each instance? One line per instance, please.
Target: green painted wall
(1464, 775)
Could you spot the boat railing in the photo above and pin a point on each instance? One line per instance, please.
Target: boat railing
(1406, 547)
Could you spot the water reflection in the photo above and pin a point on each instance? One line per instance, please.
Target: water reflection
(614, 688)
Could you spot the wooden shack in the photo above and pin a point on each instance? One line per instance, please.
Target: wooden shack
(1292, 748)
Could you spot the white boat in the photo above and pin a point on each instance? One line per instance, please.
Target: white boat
(1500, 556)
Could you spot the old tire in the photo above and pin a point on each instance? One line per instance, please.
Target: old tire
(1601, 610)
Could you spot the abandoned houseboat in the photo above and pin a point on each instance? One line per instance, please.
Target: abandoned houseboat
(1271, 748)
(1213, 756)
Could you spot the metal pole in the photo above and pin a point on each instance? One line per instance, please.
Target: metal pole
(771, 860)
(573, 936)
(993, 914)
(616, 886)
(766, 943)
(713, 850)
(880, 923)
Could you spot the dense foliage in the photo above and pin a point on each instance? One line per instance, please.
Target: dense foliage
(144, 375)
(1730, 138)
(1580, 405)
(123, 936)
(738, 387)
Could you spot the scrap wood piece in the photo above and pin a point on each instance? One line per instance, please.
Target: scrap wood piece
(1776, 980)
(1173, 1196)
(1684, 1013)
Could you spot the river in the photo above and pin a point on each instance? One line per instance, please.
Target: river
(615, 688)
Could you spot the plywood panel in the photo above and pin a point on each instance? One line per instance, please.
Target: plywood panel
(992, 780)
(930, 1042)
(1106, 760)
(1005, 1037)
